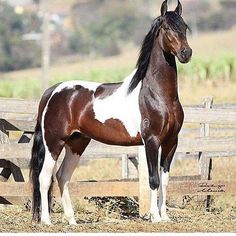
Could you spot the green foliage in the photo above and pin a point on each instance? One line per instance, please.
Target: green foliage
(213, 68)
(112, 23)
(14, 52)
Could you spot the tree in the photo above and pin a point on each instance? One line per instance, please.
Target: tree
(15, 53)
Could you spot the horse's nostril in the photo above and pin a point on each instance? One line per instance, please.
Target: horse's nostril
(183, 51)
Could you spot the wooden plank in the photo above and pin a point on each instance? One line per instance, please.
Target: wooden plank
(17, 151)
(17, 173)
(202, 187)
(103, 150)
(99, 189)
(16, 201)
(19, 124)
(212, 116)
(77, 189)
(185, 178)
(195, 156)
(126, 188)
(20, 154)
(206, 144)
(98, 150)
(9, 105)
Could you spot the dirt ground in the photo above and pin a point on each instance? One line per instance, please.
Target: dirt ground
(92, 218)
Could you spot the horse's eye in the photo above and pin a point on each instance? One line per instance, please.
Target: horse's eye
(167, 28)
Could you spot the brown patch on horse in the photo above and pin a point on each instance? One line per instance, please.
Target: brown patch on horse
(111, 132)
(78, 143)
(106, 90)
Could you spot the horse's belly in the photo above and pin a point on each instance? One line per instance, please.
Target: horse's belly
(112, 131)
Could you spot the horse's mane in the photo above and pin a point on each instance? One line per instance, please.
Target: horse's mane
(145, 55)
(176, 23)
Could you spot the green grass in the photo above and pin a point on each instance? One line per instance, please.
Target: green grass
(221, 67)
(108, 75)
(198, 73)
(29, 88)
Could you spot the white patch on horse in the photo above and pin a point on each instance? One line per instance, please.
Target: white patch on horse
(154, 211)
(70, 84)
(121, 106)
(45, 179)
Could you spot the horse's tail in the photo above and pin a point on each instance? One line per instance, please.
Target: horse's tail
(36, 165)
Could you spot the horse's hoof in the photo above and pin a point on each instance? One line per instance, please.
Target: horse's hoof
(72, 222)
(155, 218)
(46, 222)
(165, 218)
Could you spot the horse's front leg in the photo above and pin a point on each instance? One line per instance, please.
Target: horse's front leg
(152, 145)
(168, 151)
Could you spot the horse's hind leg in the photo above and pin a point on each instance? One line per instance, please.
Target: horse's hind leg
(168, 151)
(74, 149)
(45, 182)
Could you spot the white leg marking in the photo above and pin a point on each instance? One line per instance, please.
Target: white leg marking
(45, 181)
(154, 211)
(162, 203)
(64, 174)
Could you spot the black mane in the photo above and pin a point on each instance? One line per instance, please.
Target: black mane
(145, 55)
(176, 23)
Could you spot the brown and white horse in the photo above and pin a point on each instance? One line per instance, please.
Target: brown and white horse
(143, 110)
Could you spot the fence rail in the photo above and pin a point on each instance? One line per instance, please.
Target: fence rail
(20, 115)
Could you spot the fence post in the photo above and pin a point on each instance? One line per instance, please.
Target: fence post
(144, 190)
(205, 163)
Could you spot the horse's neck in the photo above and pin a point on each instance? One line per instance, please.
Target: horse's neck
(162, 73)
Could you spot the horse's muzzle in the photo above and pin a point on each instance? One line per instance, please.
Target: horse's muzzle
(185, 55)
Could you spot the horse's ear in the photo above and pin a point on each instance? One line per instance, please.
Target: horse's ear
(179, 8)
(164, 8)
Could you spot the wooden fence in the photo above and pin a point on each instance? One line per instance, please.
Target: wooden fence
(20, 115)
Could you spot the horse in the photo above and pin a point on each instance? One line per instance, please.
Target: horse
(142, 110)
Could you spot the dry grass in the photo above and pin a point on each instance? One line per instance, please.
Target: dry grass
(211, 44)
(94, 219)
(192, 93)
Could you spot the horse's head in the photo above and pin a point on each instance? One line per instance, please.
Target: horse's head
(172, 33)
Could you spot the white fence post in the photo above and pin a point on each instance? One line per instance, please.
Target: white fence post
(205, 163)
(144, 189)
